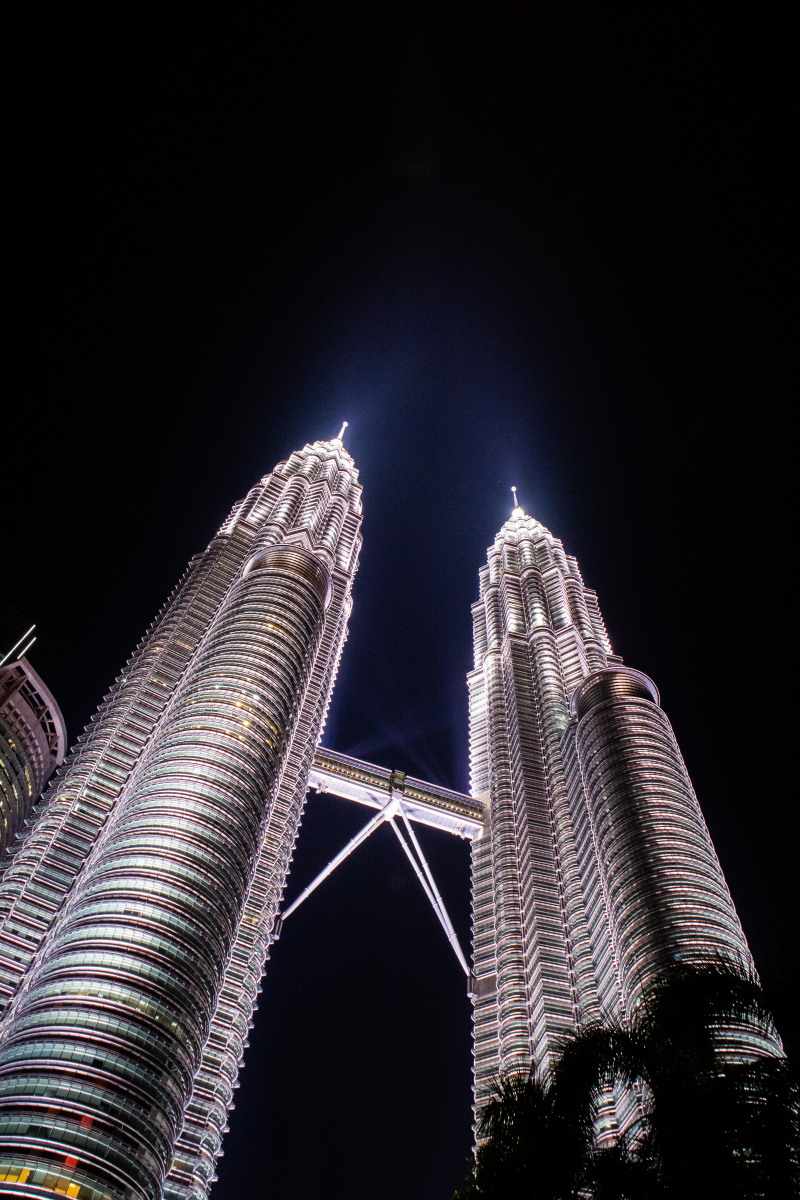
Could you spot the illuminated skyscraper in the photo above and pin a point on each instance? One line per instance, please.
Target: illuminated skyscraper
(595, 871)
(136, 916)
(169, 831)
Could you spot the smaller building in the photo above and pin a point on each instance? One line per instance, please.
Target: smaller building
(33, 741)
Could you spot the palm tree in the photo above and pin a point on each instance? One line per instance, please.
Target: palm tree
(540, 1143)
(539, 1134)
(710, 1126)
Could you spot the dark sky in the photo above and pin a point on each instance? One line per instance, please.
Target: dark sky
(531, 244)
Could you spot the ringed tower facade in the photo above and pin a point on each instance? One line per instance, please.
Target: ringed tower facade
(135, 919)
(595, 871)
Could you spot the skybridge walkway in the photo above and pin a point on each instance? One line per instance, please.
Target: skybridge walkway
(399, 799)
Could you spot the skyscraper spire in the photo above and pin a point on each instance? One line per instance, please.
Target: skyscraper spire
(341, 431)
(517, 508)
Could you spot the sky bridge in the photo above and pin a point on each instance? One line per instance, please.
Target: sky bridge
(374, 786)
(399, 799)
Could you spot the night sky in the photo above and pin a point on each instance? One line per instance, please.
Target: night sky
(530, 244)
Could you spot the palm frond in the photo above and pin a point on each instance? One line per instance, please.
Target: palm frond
(692, 1006)
(519, 1098)
(622, 1172)
(596, 1056)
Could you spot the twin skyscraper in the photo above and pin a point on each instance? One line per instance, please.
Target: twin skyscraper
(137, 909)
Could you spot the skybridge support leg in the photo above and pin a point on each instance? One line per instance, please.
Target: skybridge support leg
(421, 869)
(432, 883)
(340, 857)
(438, 905)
